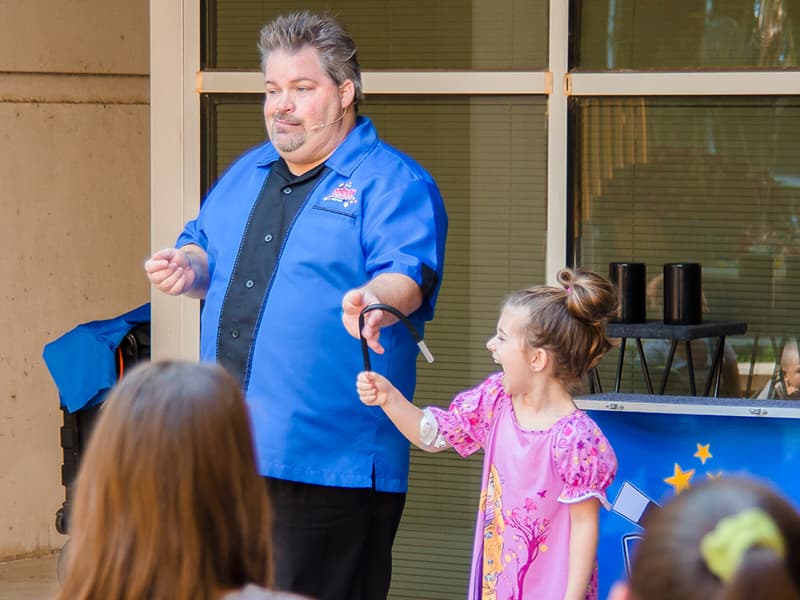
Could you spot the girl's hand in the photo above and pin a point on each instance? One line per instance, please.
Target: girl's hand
(373, 389)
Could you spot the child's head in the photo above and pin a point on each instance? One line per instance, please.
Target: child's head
(790, 365)
(568, 321)
(168, 500)
(708, 543)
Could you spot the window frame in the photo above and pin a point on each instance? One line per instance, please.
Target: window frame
(178, 83)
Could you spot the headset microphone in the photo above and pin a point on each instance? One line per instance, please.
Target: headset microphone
(321, 125)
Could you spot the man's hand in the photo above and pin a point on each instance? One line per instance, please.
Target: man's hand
(394, 289)
(353, 303)
(172, 271)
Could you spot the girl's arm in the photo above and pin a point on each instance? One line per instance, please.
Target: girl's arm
(583, 534)
(376, 390)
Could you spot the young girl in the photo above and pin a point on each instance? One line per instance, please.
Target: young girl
(546, 464)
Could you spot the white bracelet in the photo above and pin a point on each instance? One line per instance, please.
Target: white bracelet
(429, 431)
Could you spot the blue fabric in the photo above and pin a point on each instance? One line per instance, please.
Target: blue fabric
(660, 451)
(376, 211)
(82, 362)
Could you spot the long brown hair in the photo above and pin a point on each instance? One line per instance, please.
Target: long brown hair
(669, 563)
(569, 321)
(168, 503)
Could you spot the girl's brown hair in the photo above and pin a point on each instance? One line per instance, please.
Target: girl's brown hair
(669, 563)
(569, 321)
(168, 502)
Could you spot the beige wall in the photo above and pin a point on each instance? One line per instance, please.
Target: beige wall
(74, 221)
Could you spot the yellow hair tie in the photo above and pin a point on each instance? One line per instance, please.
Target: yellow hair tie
(724, 546)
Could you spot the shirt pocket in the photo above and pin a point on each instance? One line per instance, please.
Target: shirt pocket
(335, 210)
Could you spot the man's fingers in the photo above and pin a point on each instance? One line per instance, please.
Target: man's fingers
(175, 283)
(159, 276)
(353, 302)
(166, 253)
(373, 319)
(372, 324)
(154, 265)
(375, 345)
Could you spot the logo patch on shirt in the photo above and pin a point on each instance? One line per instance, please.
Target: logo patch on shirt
(344, 194)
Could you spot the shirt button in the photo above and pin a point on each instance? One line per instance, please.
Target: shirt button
(249, 283)
(287, 190)
(268, 237)
(235, 333)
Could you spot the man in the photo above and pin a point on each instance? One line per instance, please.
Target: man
(292, 243)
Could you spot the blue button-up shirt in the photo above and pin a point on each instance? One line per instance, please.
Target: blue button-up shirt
(375, 211)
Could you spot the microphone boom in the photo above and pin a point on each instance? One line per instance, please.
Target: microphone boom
(321, 125)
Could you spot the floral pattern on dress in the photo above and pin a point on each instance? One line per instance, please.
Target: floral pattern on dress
(521, 546)
(585, 460)
(467, 422)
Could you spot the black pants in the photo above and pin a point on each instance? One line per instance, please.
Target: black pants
(333, 543)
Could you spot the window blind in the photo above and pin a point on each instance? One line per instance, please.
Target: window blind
(397, 34)
(681, 34)
(708, 180)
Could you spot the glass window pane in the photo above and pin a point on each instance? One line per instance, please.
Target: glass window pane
(708, 180)
(396, 34)
(488, 155)
(679, 34)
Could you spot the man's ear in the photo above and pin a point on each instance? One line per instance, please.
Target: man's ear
(347, 93)
(620, 591)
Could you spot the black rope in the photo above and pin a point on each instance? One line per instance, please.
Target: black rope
(403, 319)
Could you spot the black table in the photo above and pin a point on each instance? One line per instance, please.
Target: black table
(674, 333)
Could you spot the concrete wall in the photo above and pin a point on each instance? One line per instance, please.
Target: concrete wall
(74, 221)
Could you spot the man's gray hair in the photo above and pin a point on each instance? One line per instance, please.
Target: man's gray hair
(337, 50)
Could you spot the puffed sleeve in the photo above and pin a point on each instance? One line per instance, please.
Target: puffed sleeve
(466, 423)
(584, 459)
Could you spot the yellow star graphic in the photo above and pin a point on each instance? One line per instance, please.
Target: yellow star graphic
(680, 479)
(703, 453)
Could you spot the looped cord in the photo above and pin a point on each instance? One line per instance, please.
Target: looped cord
(723, 547)
(403, 319)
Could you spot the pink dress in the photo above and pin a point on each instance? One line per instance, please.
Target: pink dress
(521, 548)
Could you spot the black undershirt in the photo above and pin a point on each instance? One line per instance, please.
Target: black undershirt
(279, 201)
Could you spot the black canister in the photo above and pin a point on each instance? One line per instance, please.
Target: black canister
(630, 280)
(683, 294)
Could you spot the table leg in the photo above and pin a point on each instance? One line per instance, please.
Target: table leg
(596, 387)
(620, 360)
(668, 366)
(752, 369)
(690, 364)
(715, 371)
(645, 368)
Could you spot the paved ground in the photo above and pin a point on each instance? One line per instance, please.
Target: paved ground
(29, 578)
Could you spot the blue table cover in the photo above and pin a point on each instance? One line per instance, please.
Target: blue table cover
(82, 362)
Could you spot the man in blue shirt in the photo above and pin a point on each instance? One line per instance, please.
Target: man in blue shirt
(296, 238)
